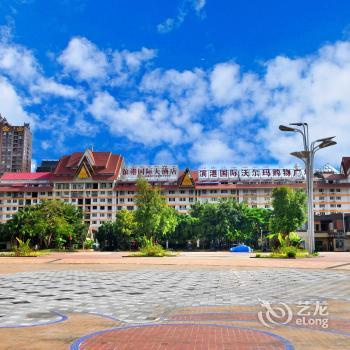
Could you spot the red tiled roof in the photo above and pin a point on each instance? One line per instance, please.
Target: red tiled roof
(345, 163)
(106, 166)
(25, 188)
(26, 176)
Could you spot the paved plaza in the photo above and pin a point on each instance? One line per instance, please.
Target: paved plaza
(78, 306)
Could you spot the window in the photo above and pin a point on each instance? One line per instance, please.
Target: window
(182, 207)
(338, 190)
(322, 198)
(171, 199)
(204, 191)
(109, 208)
(331, 190)
(191, 200)
(94, 207)
(223, 191)
(102, 200)
(102, 207)
(130, 200)
(331, 198)
(182, 199)
(338, 205)
(332, 205)
(338, 198)
(182, 191)
(233, 191)
(130, 192)
(339, 243)
(171, 192)
(121, 193)
(213, 191)
(119, 207)
(103, 192)
(267, 206)
(320, 190)
(130, 207)
(322, 205)
(121, 200)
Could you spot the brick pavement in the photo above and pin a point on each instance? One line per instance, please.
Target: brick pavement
(194, 298)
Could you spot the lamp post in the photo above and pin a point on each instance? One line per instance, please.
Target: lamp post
(307, 156)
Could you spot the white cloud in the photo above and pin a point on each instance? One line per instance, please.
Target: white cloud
(83, 59)
(45, 145)
(225, 83)
(18, 62)
(51, 87)
(212, 152)
(314, 89)
(12, 105)
(164, 157)
(134, 121)
(134, 59)
(183, 10)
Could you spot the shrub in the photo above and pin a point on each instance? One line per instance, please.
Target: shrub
(153, 250)
(23, 248)
(88, 244)
(258, 255)
(290, 252)
(294, 239)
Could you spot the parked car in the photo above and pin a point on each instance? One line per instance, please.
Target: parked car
(241, 248)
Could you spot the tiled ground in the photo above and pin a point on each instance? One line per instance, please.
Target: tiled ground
(143, 296)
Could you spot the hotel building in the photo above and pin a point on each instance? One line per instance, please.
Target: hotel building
(100, 184)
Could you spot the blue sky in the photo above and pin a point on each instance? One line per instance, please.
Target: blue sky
(190, 82)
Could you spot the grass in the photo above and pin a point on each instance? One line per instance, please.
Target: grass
(287, 253)
(153, 250)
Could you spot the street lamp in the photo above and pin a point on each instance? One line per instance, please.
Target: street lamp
(307, 156)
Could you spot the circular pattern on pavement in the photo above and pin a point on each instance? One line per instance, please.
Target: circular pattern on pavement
(182, 337)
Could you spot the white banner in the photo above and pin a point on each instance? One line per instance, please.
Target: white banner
(250, 174)
(150, 172)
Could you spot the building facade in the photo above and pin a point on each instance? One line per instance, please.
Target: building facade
(15, 147)
(100, 184)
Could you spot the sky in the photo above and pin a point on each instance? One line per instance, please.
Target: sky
(187, 82)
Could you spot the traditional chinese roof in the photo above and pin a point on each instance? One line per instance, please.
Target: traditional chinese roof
(345, 164)
(97, 165)
(25, 176)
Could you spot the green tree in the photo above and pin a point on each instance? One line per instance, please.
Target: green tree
(50, 224)
(168, 222)
(149, 206)
(289, 210)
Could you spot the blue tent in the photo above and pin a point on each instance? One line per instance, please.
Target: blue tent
(242, 248)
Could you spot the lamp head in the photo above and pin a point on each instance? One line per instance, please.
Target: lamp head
(298, 124)
(286, 128)
(325, 139)
(301, 154)
(325, 144)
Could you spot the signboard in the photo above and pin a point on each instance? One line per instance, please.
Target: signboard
(150, 172)
(211, 174)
